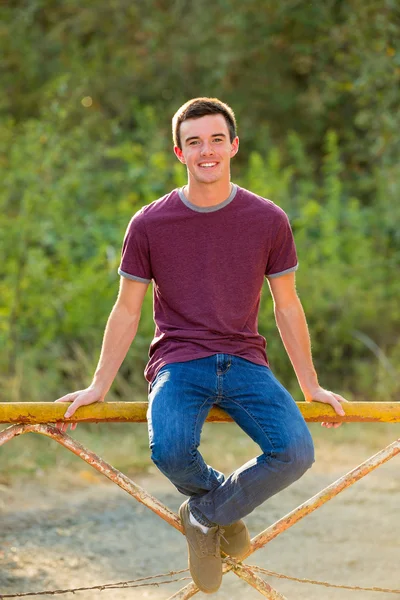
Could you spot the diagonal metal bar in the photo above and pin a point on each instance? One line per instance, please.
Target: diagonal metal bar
(245, 572)
(186, 592)
(307, 507)
(10, 432)
(242, 571)
(324, 495)
(100, 465)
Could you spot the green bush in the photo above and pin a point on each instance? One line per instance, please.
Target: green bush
(66, 201)
(347, 279)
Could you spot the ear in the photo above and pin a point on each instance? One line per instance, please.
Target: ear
(179, 155)
(234, 147)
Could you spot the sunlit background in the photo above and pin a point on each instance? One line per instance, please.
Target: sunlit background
(87, 95)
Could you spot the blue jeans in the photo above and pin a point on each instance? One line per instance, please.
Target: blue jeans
(180, 398)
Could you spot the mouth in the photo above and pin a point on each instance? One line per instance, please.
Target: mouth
(208, 165)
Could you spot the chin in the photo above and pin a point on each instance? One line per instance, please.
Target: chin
(209, 179)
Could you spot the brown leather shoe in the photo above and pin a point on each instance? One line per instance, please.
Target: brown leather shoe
(235, 539)
(205, 561)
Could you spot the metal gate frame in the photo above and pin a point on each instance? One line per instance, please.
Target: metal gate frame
(36, 417)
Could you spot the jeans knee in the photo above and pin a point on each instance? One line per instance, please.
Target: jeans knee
(298, 455)
(306, 455)
(175, 464)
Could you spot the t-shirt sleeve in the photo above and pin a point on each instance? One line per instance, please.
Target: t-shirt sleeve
(282, 257)
(135, 260)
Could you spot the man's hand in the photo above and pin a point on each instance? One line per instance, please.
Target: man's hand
(80, 398)
(327, 397)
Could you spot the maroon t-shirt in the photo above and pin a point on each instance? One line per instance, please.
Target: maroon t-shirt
(208, 266)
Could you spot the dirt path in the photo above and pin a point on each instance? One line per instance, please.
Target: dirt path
(59, 534)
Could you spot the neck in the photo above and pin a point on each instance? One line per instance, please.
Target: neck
(207, 194)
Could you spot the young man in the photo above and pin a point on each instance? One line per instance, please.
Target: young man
(207, 248)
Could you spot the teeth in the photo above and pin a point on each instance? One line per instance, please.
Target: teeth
(208, 164)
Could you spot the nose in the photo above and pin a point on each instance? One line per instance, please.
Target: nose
(207, 149)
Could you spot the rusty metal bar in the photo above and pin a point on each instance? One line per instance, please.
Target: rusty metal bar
(246, 573)
(185, 593)
(326, 494)
(100, 465)
(135, 412)
(301, 511)
(10, 432)
(242, 571)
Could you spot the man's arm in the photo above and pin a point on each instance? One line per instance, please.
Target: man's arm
(119, 333)
(292, 326)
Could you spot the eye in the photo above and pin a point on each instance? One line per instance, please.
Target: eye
(218, 140)
(193, 142)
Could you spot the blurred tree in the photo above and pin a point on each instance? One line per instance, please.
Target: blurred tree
(87, 96)
(301, 66)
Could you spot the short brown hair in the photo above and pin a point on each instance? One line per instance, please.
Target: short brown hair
(200, 107)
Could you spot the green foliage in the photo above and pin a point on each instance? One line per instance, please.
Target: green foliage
(346, 282)
(65, 204)
(306, 66)
(85, 142)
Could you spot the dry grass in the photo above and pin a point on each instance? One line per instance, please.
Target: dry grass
(225, 446)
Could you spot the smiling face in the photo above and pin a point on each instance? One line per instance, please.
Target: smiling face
(206, 149)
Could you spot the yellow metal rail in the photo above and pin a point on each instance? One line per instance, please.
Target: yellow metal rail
(135, 412)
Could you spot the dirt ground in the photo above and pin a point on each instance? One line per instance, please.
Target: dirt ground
(61, 532)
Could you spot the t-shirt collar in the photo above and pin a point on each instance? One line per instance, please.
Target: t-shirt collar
(192, 206)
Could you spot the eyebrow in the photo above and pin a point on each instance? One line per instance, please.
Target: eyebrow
(196, 137)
